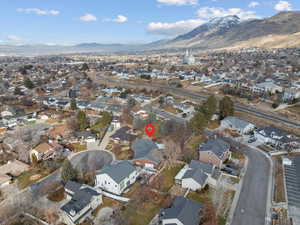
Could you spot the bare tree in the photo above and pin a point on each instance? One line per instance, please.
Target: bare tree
(172, 153)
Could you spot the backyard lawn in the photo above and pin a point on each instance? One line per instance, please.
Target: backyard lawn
(29, 177)
(203, 197)
(195, 141)
(166, 178)
(142, 212)
(107, 202)
(77, 147)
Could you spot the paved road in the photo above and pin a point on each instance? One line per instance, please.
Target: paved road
(254, 199)
(252, 203)
(198, 96)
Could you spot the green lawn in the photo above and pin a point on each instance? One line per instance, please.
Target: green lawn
(25, 180)
(222, 220)
(167, 177)
(107, 202)
(195, 141)
(79, 147)
(202, 197)
(265, 148)
(237, 155)
(134, 188)
(144, 214)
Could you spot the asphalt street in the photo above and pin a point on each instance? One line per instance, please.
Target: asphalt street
(252, 203)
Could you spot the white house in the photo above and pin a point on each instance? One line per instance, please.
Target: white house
(236, 124)
(195, 176)
(268, 86)
(275, 136)
(116, 122)
(82, 200)
(117, 177)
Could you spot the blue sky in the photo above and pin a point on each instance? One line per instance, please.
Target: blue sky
(120, 21)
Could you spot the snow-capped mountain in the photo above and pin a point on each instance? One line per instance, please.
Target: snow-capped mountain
(215, 26)
(282, 29)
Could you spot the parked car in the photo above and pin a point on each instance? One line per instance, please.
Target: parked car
(251, 140)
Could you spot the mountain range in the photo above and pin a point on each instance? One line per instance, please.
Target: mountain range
(230, 32)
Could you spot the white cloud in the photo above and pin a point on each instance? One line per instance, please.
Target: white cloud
(178, 2)
(283, 6)
(253, 4)
(120, 19)
(14, 38)
(212, 12)
(174, 29)
(39, 11)
(88, 17)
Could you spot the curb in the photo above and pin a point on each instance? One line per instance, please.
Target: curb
(237, 195)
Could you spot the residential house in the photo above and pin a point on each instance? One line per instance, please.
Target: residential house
(195, 175)
(123, 136)
(147, 153)
(11, 170)
(82, 104)
(182, 212)
(46, 150)
(116, 177)
(268, 86)
(85, 136)
(4, 180)
(291, 94)
(83, 199)
(214, 151)
(236, 124)
(116, 122)
(275, 136)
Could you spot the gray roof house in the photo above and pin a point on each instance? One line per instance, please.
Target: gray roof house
(275, 136)
(195, 175)
(123, 135)
(236, 124)
(183, 211)
(214, 151)
(83, 200)
(116, 177)
(147, 153)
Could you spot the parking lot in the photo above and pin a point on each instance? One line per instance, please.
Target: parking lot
(292, 180)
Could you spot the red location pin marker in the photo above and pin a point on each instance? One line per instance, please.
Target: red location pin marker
(150, 130)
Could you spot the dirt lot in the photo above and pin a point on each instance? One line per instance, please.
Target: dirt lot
(279, 190)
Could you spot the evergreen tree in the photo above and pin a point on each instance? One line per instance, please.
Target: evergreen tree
(82, 120)
(18, 91)
(28, 83)
(209, 107)
(131, 102)
(85, 67)
(73, 104)
(68, 172)
(226, 107)
(198, 123)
